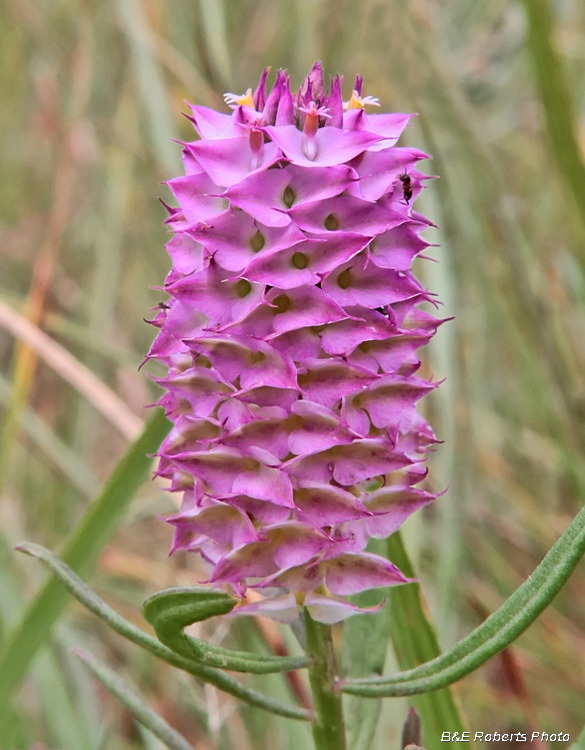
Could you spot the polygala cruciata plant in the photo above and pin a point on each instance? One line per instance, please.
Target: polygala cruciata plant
(291, 337)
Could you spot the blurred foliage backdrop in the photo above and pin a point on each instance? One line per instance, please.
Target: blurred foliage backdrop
(92, 95)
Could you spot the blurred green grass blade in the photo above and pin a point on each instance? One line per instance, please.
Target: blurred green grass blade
(415, 643)
(580, 744)
(365, 640)
(59, 454)
(66, 728)
(151, 86)
(137, 707)
(80, 552)
(214, 25)
(557, 100)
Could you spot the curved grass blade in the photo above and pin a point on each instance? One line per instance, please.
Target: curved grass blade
(172, 610)
(81, 551)
(137, 707)
(92, 601)
(497, 632)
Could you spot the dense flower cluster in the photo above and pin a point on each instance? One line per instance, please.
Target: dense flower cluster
(290, 338)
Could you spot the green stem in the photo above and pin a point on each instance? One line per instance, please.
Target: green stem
(328, 726)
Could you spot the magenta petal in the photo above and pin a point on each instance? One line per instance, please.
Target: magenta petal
(346, 214)
(333, 146)
(391, 355)
(270, 434)
(215, 294)
(302, 306)
(266, 512)
(228, 160)
(225, 525)
(208, 122)
(217, 467)
(234, 239)
(378, 170)
(186, 254)
(361, 283)
(313, 428)
(392, 506)
(299, 344)
(390, 396)
(295, 543)
(261, 196)
(199, 387)
(280, 608)
(300, 578)
(397, 248)
(347, 464)
(269, 396)
(254, 362)
(265, 483)
(350, 574)
(327, 380)
(195, 194)
(329, 611)
(252, 561)
(304, 262)
(325, 505)
(343, 337)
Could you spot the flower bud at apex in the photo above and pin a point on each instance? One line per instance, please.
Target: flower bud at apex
(290, 337)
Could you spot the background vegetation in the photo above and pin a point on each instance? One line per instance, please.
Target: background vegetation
(92, 94)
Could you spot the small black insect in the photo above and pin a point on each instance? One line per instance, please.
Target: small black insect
(406, 181)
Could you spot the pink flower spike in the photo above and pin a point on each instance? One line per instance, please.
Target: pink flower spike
(291, 336)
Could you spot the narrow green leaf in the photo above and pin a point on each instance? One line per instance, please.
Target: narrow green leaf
(415, 642)
(92, 601)
(497, 632)
(80, 552)
(172, 610)
(137, 707)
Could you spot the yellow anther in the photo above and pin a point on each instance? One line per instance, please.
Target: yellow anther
(359, 102)
(240, 100)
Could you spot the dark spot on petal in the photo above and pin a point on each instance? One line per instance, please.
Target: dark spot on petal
(257, 242)
(331, 223)
(344, 279)
(300, 260)
(288, 196)
(257, 357)
(243, 288)
(282, 303)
